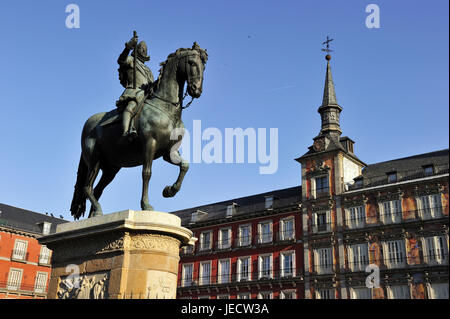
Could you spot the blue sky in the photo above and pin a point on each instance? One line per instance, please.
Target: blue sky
(265, 70)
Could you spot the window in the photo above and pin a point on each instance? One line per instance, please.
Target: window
(435, 250)
(287, 264)
(265, 266)
(287, 229)
(321, 186)
(361, 293)
(41, 282)
(187, 275)
(265, 295)
(206, 240)
(288, 294)
(321, 222)
(44, 257)
(428, 170)
(231, 210)
(195, 216)
(265, 232)
(203, 297)
(391, 177)
(243, 268)
(325, 294)
(430, 206)
(224, 238)
(205, 273)
(223, 296)
(224, 271)
(243, 296)
(245, 237)
(268, 204)
(399, 292)
(20, 250)
(439, 291)
(323, 260)
(356, 217)
(395, 254)
(391, 211)
(14, 279)
(358, 257)
(46, 228)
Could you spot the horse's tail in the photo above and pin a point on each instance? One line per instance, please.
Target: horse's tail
(78, 206)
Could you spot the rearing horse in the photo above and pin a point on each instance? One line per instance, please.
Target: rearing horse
(102, 148)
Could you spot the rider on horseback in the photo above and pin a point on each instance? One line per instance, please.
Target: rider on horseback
(136, 78)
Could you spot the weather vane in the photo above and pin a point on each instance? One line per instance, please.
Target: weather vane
(327, 49)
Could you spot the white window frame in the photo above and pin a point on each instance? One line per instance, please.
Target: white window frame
(261, 295)
(261, 271)
(220, 243)
(265, 238)
(435, 250)
(268, 202)
(394, 216)
(326, 190)
(223, 296)
(284, 235)
(204, 247)
(20, 253)
(203, 279)
(397, 258)
(356, 216)
(184, 279)
(438, 290)
(46, 227)
(247, 240)
(244, 295)
(405, 289)
(322, 255)
(44, 255)
(40, 283)
(239, 276)
(430, 206)
(358, 255)
(325, 294)
(223, 278)
(316, 228)
(283, 293)
(14, 279)
(355, 295)
(283, 271)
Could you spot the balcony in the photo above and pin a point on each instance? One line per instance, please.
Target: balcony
(244, 277)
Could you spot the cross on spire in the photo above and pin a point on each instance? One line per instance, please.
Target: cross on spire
(327, 43)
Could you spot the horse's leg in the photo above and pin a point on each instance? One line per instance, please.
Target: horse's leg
(108, 174)
(149, 153)
(93, 169)
(176, 159)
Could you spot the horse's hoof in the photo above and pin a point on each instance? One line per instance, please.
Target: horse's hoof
(147, 207)
(169, 191)
(96, 213)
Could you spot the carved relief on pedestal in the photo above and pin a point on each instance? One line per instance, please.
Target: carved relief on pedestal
(88, 286)
(161, 285)
(155, 242)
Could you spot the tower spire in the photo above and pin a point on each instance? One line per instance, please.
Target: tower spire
(330, 109)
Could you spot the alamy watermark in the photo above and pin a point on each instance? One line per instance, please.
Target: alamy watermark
(234, 145)
(373, 19)
(73, 19)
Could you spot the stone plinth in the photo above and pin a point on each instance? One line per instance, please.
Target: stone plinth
(129, 254)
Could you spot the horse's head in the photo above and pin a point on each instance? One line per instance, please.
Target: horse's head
(190, 69)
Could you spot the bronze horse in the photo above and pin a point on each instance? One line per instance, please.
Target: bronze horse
(101, 144)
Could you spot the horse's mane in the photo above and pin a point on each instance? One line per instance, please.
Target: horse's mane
(179, 52)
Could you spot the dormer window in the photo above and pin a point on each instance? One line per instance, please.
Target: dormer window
(197, 215)
(269, 202)
(428, 170)
(45, 227)
(391, 177)
(231, 210)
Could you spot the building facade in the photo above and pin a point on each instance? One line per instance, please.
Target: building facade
(375, 231)
(24, 263)
(247, 248)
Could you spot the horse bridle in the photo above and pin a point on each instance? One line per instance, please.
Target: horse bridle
(180, 103)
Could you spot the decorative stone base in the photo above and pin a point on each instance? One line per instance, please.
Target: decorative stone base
(129, 254)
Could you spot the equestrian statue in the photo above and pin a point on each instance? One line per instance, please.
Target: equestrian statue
(141, 128)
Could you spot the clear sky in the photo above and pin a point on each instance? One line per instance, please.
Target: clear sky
(265, 70)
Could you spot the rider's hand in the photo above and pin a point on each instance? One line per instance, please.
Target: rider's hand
(132, 43)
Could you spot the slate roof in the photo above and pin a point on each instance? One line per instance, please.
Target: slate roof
(246, 205)
(26, 220)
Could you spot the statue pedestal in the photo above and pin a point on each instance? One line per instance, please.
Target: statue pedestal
(129, 254)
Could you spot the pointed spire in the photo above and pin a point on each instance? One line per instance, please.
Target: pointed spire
(329, 95)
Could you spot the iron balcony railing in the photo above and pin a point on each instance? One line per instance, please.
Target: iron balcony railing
(242, 277)
(20, 287)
